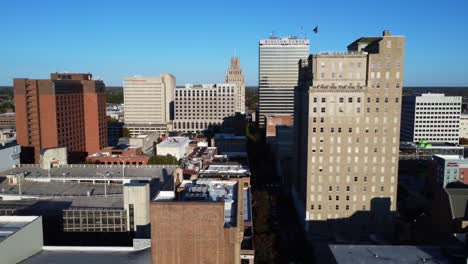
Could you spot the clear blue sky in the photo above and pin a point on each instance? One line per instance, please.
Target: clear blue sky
(195, 39)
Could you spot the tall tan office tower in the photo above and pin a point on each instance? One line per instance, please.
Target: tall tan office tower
(148, 103)
(347, 112)
(67, 110)
(235, 75)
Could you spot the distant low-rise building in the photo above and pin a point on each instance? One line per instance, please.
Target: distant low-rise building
(7, 135)
(119, 155)
(7, 120)
(175, 146)
(230, 145)
(381, 254)
(464, 126)
(146, 141)
(425, 150)
(451, 168)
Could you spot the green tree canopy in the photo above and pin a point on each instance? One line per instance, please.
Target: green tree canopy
(163, 160)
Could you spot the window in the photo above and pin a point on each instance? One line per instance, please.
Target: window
(341, 99)
(323, 110)
(350, 100)
(323, 100)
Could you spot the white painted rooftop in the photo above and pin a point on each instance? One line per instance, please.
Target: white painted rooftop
(174, 142)
(11, 224)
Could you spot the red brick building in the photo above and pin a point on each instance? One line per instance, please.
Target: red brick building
(117, 155)
(276, 120)
(67, 110)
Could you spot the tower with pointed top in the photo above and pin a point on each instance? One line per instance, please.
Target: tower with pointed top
(234, 75)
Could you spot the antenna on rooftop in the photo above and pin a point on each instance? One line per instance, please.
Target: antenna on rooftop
(272, 34)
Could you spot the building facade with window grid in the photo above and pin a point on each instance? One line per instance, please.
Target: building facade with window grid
(197, 107)
(431, 117)
(94, 220)
(347, 124)
(278, 74)
(148, 103)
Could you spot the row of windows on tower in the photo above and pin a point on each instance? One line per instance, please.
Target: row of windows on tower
(351, 99)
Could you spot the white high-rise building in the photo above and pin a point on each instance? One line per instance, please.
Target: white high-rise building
(431, 117)
(278, 74)
(197, 106)
(235, 75)
(148, 103)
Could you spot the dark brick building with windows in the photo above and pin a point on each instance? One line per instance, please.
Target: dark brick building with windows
(68, 110)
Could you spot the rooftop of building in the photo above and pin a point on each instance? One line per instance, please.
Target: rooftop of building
(428, 145)
(206, 85)
(83, 256)
(91, 171)
(224, 170)
(458, 197)
(119, 151)
(203, 152)
(8, 143)
(449, 157)
(174, 142)
(11, 224)
(9, 114)
(322, 54)
(388, 254)
(207, 190)
(286, 40)
(57, 189)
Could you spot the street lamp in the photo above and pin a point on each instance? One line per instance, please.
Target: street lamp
(105, 182)
(123, 167)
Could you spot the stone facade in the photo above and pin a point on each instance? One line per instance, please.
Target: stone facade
(235, 75)
(347, 126)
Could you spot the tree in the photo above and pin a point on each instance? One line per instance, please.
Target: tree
(163, 160)
(463, 141)
(125, 132)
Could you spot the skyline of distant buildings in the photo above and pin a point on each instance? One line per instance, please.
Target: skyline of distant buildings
(336, 124)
